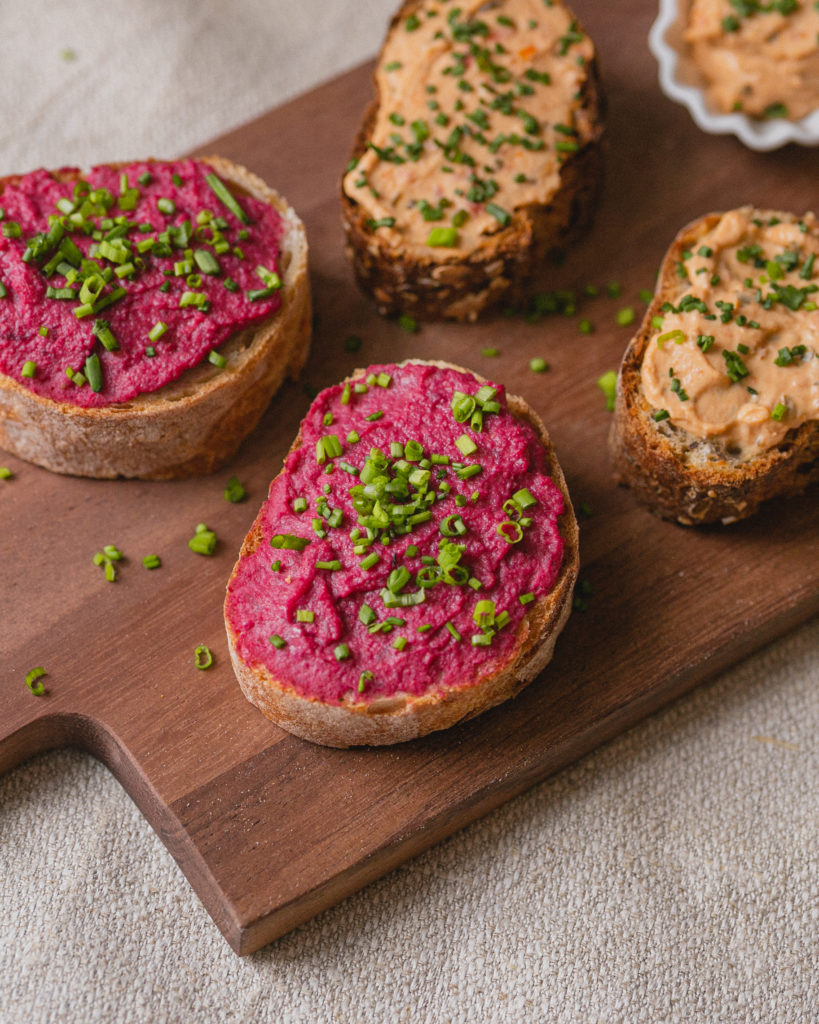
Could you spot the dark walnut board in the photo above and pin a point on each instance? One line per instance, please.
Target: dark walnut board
(270, 829)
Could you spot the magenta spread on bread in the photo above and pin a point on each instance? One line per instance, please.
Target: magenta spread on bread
(114, 283)
(404, 541)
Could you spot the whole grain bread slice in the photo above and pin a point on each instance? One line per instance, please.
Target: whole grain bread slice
(404, 716)
(689, 479)
(194, 424)
(463, 285)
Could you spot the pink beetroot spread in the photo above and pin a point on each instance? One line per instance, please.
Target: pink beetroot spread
(108, 257)
(400, 546)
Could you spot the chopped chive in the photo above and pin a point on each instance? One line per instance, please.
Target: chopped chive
(625, 316)
(93, 372)
(305, 615)
(342, 652)
(278, 641)
(442, 238)
(366, 615)
(101, 330)
(152, 561)
(511, 532)
(202, 657)
(158, 329)
(503, 217)
(217, 359)
(206, 261)
(465, 445)
(224, 195)
(29, 369)
(538, 365)
(33, 678)
(234, 491)
(289, 542)
(608, 385)
(203, 542)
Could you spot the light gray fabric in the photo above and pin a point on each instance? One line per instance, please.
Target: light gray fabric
(670, 876)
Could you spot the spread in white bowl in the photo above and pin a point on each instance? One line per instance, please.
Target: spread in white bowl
(742, 67)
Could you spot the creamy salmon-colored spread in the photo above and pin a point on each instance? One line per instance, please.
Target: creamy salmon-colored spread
(476, 117)
(760, 57)
(733, 356)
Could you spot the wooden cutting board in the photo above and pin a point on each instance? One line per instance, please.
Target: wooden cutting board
(270, 829)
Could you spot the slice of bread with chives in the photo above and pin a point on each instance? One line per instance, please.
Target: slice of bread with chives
(717, 407)
(194, 422)
(422, 581)
(478, 157)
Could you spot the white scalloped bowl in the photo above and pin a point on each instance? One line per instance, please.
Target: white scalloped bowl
(681, 82)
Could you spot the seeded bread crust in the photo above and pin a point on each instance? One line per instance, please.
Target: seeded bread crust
(193, 425)
(465, 286)
(403, 717)
(679, 476)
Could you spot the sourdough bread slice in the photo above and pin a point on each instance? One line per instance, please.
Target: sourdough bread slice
(193, 424)
(478, 157)
(400, 715)
(748, 368)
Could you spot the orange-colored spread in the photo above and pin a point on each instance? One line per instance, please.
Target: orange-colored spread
(734, 354)
(476, 117)
(760, 57)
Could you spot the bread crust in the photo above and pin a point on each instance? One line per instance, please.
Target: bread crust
(499, 271)
(678, 476)
(403, 717)
(194, 424)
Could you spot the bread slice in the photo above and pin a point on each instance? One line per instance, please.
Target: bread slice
(401, 716)
(192, 425)
(552, 130)
(694, 477)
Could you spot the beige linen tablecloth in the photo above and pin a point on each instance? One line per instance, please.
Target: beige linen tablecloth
(671, 876)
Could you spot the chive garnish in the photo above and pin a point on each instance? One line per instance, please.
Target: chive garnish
(234, 491)
(152, 561)
(442, 238)
(203, 542)
(33, 678)
(503, 217)
(202, 657)
(224, 195)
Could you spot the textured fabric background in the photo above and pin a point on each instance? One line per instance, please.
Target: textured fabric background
(671, 876)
